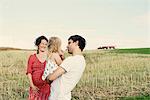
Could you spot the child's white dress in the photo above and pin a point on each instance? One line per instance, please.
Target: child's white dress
(49, 69)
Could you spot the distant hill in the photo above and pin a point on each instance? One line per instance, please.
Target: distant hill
(11, 48)
(134, 50)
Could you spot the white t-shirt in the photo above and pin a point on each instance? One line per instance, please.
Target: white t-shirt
(61, 87)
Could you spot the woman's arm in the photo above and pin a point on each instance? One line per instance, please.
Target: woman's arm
(31, 83)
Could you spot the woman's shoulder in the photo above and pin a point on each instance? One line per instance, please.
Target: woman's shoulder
(32, 56)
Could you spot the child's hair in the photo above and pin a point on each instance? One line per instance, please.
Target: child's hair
(54, 45)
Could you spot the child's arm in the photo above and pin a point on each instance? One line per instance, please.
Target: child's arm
(57, 59)
(61, 54)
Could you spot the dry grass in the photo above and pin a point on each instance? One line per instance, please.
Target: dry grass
(107, 76)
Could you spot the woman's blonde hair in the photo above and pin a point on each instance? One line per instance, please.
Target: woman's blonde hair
(54, 45)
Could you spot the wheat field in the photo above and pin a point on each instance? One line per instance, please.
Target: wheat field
(108, 75)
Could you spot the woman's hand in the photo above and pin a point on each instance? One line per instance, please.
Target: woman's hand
(34, 88)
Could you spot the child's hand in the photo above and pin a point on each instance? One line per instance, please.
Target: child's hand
(61, 53)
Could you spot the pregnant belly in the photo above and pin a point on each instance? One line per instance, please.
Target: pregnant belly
(37, 78)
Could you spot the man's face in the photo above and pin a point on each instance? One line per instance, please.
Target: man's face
(71, 46)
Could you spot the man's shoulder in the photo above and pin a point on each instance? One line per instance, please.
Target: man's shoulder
(70, 57)
(76, 57)
(79, 57)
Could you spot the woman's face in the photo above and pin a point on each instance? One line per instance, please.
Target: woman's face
(43, 45)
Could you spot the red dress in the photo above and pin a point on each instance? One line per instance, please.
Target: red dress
(36, 68)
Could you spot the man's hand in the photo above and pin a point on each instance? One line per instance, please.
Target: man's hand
(48, 81)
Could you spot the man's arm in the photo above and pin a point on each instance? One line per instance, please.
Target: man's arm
(58, 72)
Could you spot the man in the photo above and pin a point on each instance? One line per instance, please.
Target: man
(68, 74)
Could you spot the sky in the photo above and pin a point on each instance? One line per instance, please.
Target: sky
(122, 23)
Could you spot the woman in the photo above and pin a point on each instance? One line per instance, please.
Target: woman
(39, 89)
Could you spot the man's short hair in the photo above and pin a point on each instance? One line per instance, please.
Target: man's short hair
(81, 40)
